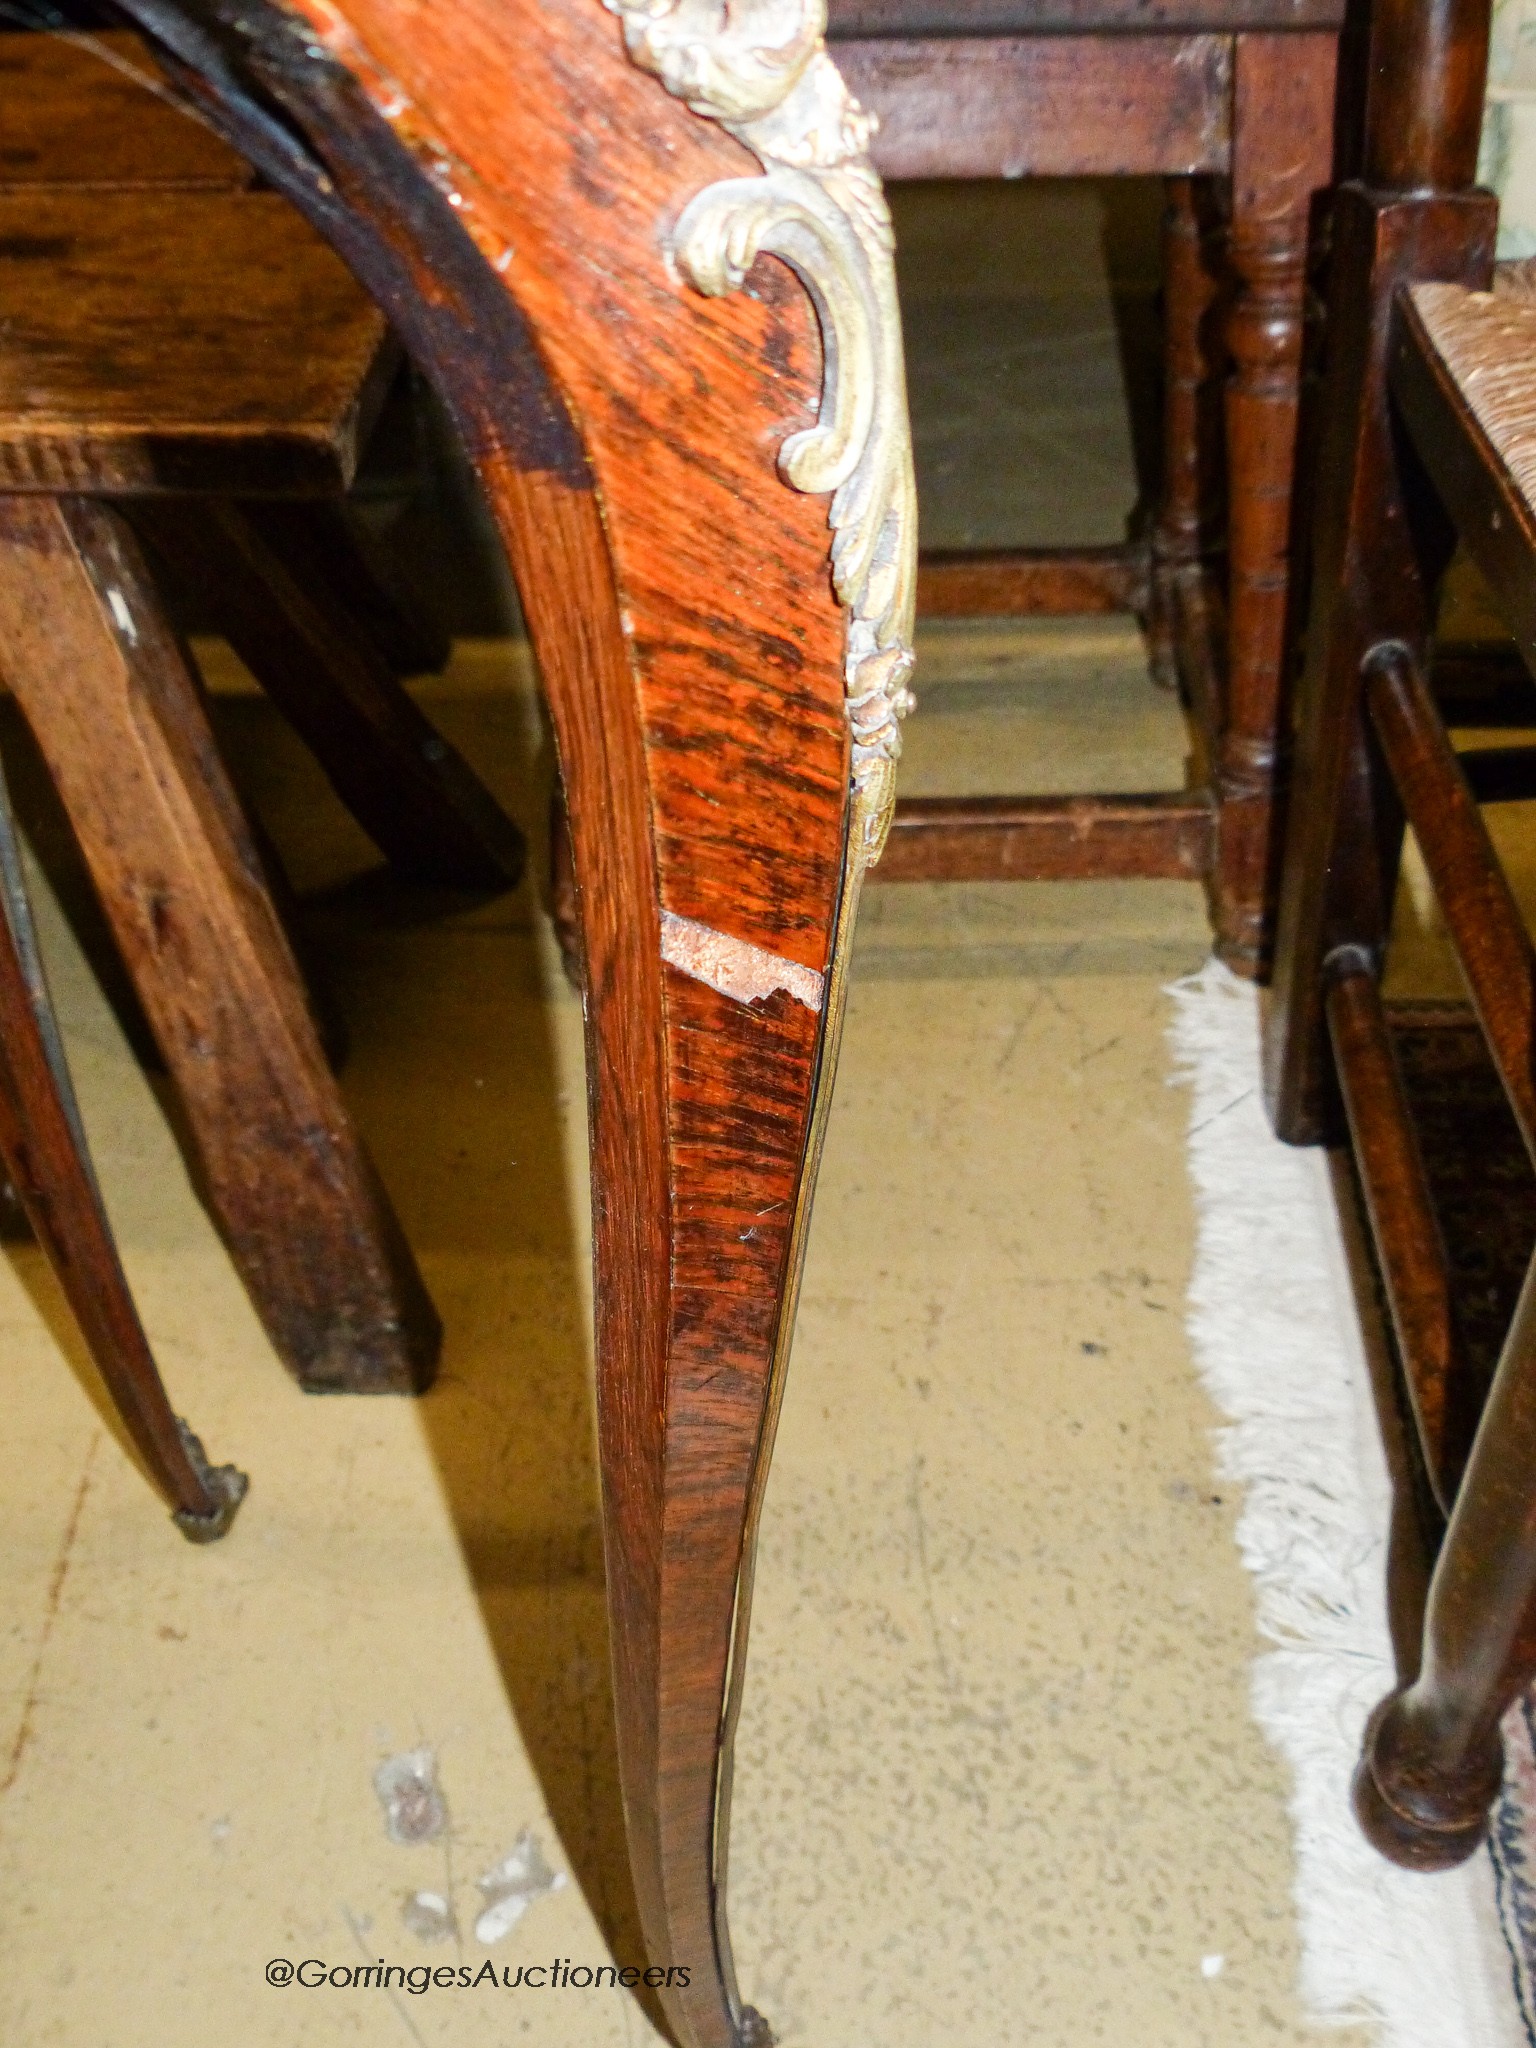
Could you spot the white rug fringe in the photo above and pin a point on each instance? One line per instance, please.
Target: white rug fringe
(1277, 1342)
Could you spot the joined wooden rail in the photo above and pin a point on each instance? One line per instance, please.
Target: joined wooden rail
(1410, 1249)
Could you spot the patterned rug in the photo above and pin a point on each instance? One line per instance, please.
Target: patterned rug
(1442, 1961)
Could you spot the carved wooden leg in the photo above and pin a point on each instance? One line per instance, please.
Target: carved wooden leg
(1281, 156)
(42, 1145)
(1433, 1759)
(117, 716)
(710, 1055)
(413, 793)
(720, 717)
(1188, 516)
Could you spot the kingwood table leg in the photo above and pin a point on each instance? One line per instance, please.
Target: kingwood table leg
(710, 1058)
(118, 718)
(42, 1145)
(720, 714)
(1282, 138)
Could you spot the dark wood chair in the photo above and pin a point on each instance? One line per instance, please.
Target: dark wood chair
(1232, 101)
(187, 369)
(1428, 421)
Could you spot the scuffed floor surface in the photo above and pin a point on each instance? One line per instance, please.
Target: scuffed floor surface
(998, 1782)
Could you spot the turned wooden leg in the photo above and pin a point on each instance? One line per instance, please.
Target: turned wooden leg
(1281, 157)
(42, 1145)
(1433, 1759)
(1188, 517)
(119, 720)
(412, 793)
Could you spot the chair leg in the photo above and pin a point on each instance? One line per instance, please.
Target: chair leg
(1188, 515)
(1433, 1760)
(1281, 157)
(119, 720)
(412, 793)
(325, 546)
(710, 1059)
(42, 1145)
(1367, 586)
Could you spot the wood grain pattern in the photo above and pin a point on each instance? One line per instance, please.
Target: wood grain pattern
(1456, 438)
(94, 112)
(118, 718)
(1432, 1759)
(1366, 586)
(1048, 106)
(43, 1150)
(960, 105)
(180, 341)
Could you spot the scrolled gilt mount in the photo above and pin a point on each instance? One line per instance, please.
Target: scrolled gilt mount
(761, 69)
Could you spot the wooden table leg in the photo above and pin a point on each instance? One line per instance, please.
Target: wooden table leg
(42, 1145)
(1282, 149)
(119, 720)
(411, 791)
(726, 728)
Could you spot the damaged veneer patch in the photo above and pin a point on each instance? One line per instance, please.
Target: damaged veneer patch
(738, 969)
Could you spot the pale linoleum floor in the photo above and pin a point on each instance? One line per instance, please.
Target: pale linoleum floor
(998, 1782)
